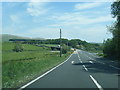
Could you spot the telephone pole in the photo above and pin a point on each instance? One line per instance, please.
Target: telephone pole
(60, 44)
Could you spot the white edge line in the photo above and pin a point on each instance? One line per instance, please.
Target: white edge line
(44, 74)
(96, 83)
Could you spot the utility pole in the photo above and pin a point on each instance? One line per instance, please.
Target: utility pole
(60, 44)
(67, 47)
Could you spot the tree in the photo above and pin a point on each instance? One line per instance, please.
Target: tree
(112, 47)
(116, 29)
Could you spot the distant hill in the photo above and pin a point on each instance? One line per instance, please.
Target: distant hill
(96, 43)
(6, 37)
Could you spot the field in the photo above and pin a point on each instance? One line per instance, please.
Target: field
(20, 67)
(0, 65)
(50, 45)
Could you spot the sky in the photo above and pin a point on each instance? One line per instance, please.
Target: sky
(77, 20)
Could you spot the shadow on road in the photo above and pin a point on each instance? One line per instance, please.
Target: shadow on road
(97, 67)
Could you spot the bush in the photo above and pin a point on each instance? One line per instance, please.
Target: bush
(65, 49)
(18, 47)
(109, 47)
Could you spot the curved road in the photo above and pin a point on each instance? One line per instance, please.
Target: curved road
(87, 71)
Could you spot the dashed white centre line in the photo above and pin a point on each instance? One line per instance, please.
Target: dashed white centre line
(81, 62)
(96, 83)
(91, 62)
(91, 58)
(85, 68)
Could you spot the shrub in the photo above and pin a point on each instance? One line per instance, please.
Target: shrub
(18, 47)
(65, 49)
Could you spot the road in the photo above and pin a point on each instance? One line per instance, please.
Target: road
(88, 71)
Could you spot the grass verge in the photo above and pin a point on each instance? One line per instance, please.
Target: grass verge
(19, 68)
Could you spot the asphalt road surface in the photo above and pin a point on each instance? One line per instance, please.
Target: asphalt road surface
(81, 70)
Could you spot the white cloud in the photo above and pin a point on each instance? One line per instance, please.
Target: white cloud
(36, 8)
(82, 6)
(58, 0)
(96, 33)
(68, 19)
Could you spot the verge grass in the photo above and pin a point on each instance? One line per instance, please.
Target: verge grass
(18, 68)
(50, 45)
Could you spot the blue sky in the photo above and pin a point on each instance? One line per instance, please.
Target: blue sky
(81, 20)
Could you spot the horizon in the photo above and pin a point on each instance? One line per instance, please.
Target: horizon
(46, 38)
(43, 20)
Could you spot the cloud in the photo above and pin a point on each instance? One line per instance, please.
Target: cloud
(58, 0)
(36, 8)
(45, 23)
(75, 18)
(82, 6)
(96, 33)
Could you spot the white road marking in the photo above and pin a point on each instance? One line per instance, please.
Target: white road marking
(81, 62)
(96, 83)
(79, 58)
(103, 63)
(43, 74)
(72, 62)
(95, 60)
(90, 58)
(91, 62)
(85, 68)
(75, 52)
(114, 67)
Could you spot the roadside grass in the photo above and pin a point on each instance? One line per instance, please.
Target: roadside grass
(8, 46)
(19, 68)
(101, 54)
(0, 64)
(50, 45)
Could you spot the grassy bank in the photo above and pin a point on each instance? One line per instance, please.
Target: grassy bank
(50, 45)
(20, 67)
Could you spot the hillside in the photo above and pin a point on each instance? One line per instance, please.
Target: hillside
(6, 37)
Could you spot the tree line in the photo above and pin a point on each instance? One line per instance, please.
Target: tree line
(112, 46)
(73, 43)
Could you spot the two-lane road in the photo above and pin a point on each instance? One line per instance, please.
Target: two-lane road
(88, 71)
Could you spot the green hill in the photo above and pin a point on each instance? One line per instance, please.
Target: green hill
(6, 37)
